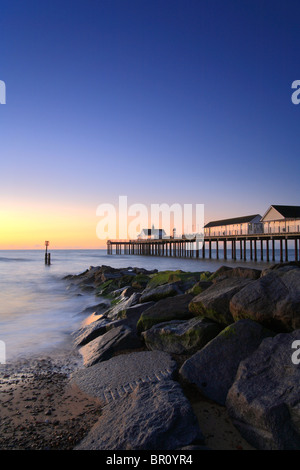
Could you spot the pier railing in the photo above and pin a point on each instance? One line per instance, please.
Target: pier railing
(250, 246)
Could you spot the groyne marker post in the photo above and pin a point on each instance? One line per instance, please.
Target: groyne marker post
(47, 255)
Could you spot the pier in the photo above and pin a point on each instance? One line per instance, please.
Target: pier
(254, 247)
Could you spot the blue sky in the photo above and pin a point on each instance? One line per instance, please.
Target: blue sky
(162, 101)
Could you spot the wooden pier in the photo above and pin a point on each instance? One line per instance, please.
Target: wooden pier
(257, 246)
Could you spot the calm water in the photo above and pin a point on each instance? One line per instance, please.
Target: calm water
(38, 311)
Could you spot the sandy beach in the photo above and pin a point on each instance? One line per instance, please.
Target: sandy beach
(41, 410)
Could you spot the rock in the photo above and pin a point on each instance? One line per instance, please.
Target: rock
(123, 304)
(281, 266)
(199, 287)
(128, 292)
(273, 300)
(88, 333)
(103, 347)
(226, 272)
(160, 292)
(121, 374)
(213, 368)
(127, 317)
(96, 309)
(153, 416)
(131, 315)
(171, 308)
(213, 303)
(264, 401)
(181, 337)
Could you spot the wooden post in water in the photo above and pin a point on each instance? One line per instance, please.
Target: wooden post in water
(47, 255)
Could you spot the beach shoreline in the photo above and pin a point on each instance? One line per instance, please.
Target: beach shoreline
(39, 408)
(70, 399)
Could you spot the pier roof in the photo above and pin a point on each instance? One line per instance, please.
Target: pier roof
(289, 212)
(233, 221)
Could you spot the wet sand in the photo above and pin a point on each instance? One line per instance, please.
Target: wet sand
(39, 410)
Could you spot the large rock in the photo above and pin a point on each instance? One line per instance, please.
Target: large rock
(181, 337)
(264, 401)
(240, 272)
(123, 304)
(171, 308)
(102, 348)
(121, 374)
(214, 302)
(89, 332)
(213, 368)
(153, 416)
(273, 300)
(160, 292)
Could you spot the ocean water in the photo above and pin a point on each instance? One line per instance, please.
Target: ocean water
(39, 311)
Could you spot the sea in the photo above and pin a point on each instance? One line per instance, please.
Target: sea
(39, 309)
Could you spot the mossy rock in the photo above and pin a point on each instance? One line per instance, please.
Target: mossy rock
(107, 288)
(140, 281)
(181, 337)
(168, 277)
(170, 308)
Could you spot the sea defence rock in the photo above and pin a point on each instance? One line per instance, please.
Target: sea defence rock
(238, 272)
(121, 374)
(264, 400)
(153, 416)
(88, 333)
(214, 302)
(160, 292)
(102, 348)
(273, 300)
(181, 337)
(123, 304)
(213, 368)
(171, 308)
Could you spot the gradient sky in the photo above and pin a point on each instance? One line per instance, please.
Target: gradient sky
(163, 101)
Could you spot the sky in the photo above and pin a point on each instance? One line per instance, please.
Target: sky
(181, 101)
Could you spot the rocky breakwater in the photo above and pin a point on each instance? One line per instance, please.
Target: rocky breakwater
(228, 336)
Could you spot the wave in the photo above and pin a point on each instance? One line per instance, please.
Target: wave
(7, 260)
